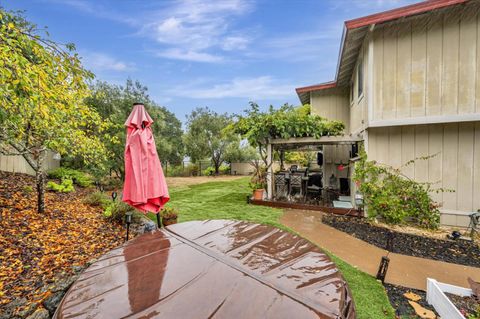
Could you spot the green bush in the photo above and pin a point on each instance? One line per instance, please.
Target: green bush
(65, 187)
(27, 189)
(116, 210)
(97, 199)
(79, 178)
(209, 171)
(396, 198)
(224, 169)
(111, 183)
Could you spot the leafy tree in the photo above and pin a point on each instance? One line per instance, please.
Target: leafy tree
(206, 136)
(114, 103)
(239, 151)
(42, 88)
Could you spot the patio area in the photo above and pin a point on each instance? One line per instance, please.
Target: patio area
(324, 184)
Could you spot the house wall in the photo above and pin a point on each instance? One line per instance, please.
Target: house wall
(428, 67)
(358, 104)
(17, 164)
(333, 156)
(333, 105)
(455, 167)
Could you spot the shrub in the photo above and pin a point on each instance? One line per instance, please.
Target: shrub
(225, 169)
(394, 197)
(116, 210)
(209, 171)
(65, 187)
(79, 178)
(27, 189)
(97, 199)
(111, 183)
(174, 171)
(169, 212)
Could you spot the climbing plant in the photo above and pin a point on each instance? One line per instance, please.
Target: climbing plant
(394, 197)
(285, 122)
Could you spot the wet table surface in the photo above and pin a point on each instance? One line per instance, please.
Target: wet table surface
(211, 269)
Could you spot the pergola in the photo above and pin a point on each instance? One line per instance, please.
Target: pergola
(303, 144)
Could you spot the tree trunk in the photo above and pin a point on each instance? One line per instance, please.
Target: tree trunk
(40, 179)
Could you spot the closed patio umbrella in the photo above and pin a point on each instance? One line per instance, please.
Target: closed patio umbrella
(145, 187)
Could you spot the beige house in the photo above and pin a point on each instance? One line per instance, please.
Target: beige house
(408, 85)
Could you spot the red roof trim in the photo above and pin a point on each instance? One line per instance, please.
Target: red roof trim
(322, 86)
(410, 10)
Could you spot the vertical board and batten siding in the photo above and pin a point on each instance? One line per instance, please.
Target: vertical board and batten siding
(456, 165)
(427, 67)
(358, 105)
(333, 105)
(17, 164)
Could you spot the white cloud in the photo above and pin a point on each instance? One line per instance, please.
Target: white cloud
(180, 54)
(103, 62)
(262, 87)
(189, 29)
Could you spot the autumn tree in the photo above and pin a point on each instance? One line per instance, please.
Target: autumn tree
(206, 137)
(43, 85)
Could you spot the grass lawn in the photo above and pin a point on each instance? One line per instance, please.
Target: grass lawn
(227, 200)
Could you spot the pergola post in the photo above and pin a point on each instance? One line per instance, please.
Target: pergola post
(269, 171)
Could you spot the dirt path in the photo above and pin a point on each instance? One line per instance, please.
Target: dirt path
(403, 270)
(186, 181)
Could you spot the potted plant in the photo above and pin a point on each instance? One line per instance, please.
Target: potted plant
(258, 181)
(169, 216)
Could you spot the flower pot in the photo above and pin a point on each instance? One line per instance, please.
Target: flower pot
(169, 221)
(258, 194)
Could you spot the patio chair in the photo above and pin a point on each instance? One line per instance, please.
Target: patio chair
(314, 188)
(281, 186)
(296, 185)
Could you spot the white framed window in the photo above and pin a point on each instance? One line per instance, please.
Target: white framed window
(360, 78)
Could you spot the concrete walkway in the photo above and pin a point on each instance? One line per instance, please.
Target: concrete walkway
(403, 270)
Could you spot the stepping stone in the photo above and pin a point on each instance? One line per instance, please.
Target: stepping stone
(412, 296)
(422, 312)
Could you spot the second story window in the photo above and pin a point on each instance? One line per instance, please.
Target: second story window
(360, 78)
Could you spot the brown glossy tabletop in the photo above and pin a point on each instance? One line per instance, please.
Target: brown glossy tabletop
(211, 269)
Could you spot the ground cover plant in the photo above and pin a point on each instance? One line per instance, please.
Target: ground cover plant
(227, 200)
(35, 249)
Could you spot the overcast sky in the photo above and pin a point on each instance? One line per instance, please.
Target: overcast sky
(220, 54)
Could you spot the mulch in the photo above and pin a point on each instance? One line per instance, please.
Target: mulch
(400, 303)
(468, 306)
(458, 252)
(36, 248)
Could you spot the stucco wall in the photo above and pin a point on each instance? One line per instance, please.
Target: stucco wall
(456, 167)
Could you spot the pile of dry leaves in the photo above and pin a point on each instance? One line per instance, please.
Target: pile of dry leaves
(36, 248)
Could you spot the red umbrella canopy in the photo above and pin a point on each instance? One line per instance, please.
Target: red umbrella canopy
(145, 187)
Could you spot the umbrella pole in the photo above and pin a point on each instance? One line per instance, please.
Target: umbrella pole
(159, 223)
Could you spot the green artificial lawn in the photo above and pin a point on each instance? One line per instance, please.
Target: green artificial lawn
(227, 200)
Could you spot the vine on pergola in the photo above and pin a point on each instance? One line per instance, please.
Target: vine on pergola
(285, 122)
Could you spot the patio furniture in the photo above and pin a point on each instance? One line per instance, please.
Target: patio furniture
(281, 186)
(211, 269)
(296, 185)
(314, 187)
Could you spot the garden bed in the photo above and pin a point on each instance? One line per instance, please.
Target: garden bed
(41, 253)
(467, 305)
(400, 303)
(459, 252)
